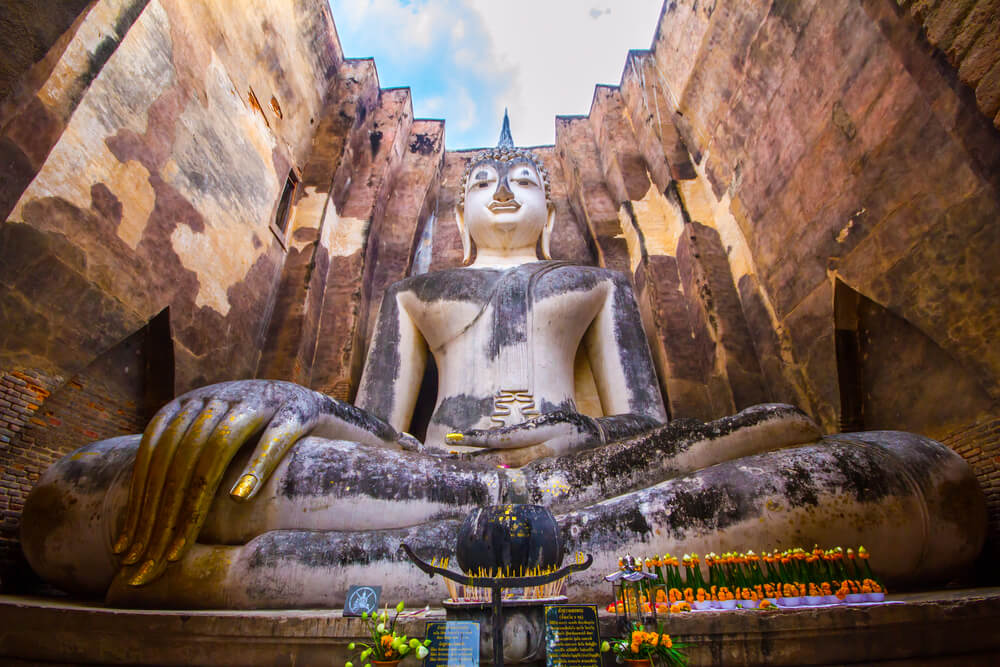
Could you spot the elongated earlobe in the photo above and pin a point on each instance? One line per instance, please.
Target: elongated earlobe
(463, 233)
(547, 233)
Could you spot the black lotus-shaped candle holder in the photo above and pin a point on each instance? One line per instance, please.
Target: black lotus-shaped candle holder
(505, 547)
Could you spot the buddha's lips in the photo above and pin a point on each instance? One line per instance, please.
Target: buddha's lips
(504, 207)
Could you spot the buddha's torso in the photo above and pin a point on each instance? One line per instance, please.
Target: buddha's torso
(504, 341)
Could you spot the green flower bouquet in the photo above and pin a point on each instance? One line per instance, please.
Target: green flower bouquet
(386, 646)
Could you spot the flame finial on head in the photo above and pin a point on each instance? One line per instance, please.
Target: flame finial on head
(506, 140)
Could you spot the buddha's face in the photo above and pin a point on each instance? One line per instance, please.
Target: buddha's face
(505, 206)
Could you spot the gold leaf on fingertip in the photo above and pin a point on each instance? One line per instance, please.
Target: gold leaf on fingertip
(134, 554)
(244, 488)
(175, 549)
(120, 544)
(144, 575)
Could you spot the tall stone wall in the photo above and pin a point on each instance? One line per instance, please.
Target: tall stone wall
(832, 144)
(967, 34)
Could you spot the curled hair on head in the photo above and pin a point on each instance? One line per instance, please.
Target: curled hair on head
(500, 154)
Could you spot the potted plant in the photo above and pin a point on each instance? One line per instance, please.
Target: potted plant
(387, 647)
(643, 649)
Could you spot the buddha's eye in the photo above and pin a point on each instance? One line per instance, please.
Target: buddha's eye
(481, 184)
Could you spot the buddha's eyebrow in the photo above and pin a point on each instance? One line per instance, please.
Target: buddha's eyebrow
(481, 174)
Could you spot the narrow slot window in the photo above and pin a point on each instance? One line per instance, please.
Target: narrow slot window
(282, 215)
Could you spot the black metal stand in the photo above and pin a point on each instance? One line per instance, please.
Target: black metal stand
(496, 585)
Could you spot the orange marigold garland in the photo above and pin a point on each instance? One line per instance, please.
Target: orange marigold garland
(787, 578)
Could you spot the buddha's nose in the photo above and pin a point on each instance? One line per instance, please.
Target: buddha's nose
(502, 193)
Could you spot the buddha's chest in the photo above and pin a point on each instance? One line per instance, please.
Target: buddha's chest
(482, 331)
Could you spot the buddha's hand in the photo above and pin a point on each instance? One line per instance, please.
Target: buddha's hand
(190, 442)
(551, 434)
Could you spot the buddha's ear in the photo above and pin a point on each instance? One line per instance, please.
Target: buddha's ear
(463, 232)
(547, 232)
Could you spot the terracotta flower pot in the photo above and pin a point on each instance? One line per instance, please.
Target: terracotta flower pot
(386, 663)
(642, 662)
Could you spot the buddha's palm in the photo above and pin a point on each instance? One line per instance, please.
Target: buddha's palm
(188, 445)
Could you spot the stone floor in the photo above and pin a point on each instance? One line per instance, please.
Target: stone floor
(935, 628)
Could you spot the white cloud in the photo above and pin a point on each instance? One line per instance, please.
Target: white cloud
(432, 106)
(467, 112)
(466, 60)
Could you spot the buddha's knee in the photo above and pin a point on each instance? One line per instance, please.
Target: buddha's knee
(911, 501)
(72, 513)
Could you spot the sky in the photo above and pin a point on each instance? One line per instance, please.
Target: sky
(466, 60)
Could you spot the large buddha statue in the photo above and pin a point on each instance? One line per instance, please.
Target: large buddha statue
(261, 493)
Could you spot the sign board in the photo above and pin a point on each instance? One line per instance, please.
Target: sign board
(572, 638)
(453, 644)
(361, 599)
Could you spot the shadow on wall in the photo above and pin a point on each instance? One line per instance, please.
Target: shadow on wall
(893, 376)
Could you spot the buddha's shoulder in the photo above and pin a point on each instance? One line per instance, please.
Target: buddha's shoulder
(564, 277)
(584, 272)
(459, 284)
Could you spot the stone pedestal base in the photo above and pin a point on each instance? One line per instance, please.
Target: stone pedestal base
(523, 633)
(926, 629)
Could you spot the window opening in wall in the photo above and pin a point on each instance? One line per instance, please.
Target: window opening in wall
(285, 203)
(849, 362)
(425, 247)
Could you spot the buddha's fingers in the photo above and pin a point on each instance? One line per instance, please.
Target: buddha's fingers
(290, 424)
(208, 475)
(561, 429)
(510, 437)
(162, 456)
(178, 478)
(137, 486)
(231, 433)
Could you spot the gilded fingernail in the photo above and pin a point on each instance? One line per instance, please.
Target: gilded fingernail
(144, 574)
(454, 437)
(120, 544)
(244, 487)
(134, 554)
(175, 549)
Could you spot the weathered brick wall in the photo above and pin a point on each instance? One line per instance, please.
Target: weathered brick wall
(979, 444)
(21, 396)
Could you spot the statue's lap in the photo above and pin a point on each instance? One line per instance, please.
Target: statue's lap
(910, 500)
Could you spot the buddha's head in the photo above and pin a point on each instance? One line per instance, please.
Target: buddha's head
(504, 203)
